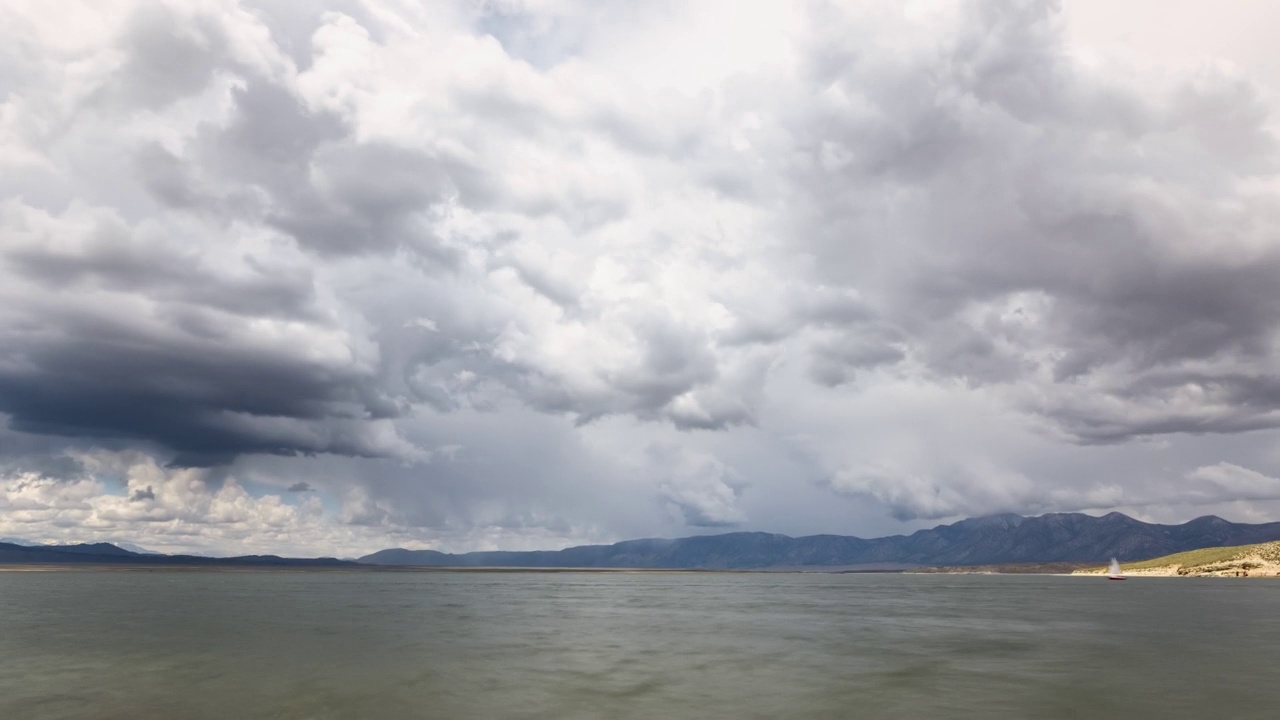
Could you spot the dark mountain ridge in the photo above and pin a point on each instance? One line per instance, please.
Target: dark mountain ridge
(990, 540)
(108, 554)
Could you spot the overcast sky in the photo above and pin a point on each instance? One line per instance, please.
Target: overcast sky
(329, 277)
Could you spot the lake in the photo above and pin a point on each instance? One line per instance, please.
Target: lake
(372, 645)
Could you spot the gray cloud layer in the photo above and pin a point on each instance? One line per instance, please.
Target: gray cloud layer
(806, 268)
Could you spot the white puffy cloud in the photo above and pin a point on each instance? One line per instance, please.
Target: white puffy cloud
(127, 497)
(162, 509)
(698, 486)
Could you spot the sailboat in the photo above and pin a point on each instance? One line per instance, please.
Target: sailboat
(1113, 572)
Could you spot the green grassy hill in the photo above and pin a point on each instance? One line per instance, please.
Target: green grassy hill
(1205, 560)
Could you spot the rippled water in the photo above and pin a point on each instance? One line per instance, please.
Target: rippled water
(104, 644)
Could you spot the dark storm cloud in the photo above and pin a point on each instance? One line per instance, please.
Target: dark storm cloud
(992, 176)
(1175, 401)
(195, 393)
(141, 332)
(40, 454)
(124, 332)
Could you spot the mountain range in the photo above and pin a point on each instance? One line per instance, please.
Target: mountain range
(992, 540)
(12, 553)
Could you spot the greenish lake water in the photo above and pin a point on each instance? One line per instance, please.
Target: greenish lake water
(373, 645)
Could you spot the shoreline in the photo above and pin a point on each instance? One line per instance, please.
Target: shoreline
(1177, 571)
(126, 567)
(1258, 560)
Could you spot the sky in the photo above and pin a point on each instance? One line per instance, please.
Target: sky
(325, 278)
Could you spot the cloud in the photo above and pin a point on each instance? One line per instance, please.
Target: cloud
(983, 491)
(162, 325)
(956, 491)
(300, 487)
(699, 486)
(1229, 481)
(1031, 223)
(129, 496)
(920, 261)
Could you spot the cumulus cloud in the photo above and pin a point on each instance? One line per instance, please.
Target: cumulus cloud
(943, 259)
(127, 496)
(162, 508)
(701, 488)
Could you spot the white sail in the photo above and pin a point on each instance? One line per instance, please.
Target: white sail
(1114, 570)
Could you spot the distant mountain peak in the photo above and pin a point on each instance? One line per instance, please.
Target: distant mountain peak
(998, 521)
(1208, 520)
(101, 548)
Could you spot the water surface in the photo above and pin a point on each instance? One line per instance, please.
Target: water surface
(373, 645)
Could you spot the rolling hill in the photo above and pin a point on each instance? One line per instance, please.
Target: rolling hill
(1259, 559)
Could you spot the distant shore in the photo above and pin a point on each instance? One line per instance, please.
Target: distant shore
(1051, 568)
(213, 567)
(1235, 570)
(814, 570)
